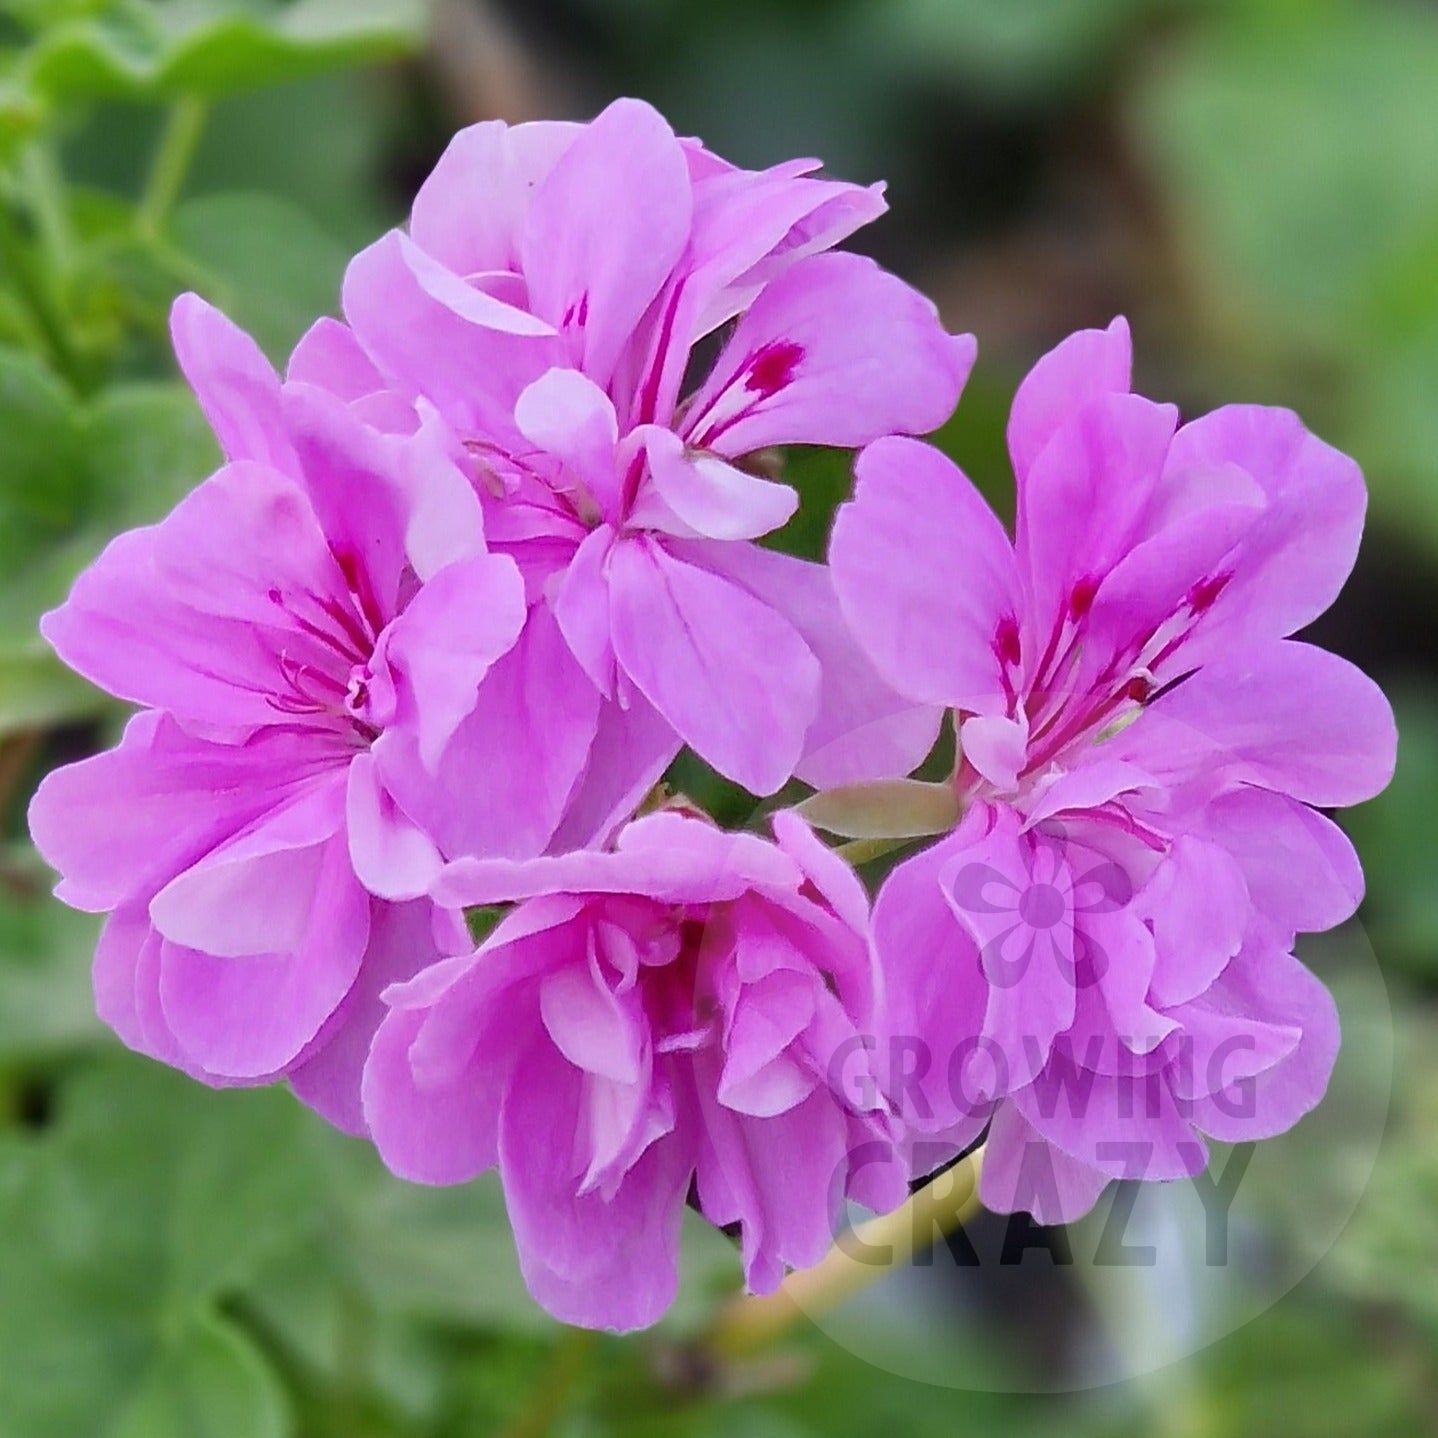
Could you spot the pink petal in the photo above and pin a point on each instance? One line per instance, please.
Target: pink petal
(732, 675)
(1276, 988)
(605, 228)
(256, 894)
(925, 575)
(587, 1260)
(1299, 553)
(712, 498)
(864, 729)
(125, 822)
(252, 1015)
(1023, 1172)
(470, 212)
(1282, 715)
(329, 357)
(835, 351)
(1086, 365)
(449, 637)
(392, 856)
(234, 382)
(508, 773)
(401, 943)
(565, 414)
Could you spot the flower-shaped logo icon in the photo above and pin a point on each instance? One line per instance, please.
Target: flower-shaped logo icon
(1025, 903)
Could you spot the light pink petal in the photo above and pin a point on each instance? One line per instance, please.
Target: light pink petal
(565, 414)
(665, 855)
(470, 212)
(776, 1178)
(835, 351)
(444, 644)
(193, 615)
(747, 229)
(581, 608)
(596, 1262)
(996, 746)
(925, 575)
(829, 874)
(1126, 1126)
(605, 227)
(933, 992)
(113, 975)
(1274, 987)
(712, 498)
(1029, 963)
(1282, 715)
(124, 822)
(440, 1132)
(392, 856)
(469, 301)
(445, 518)
(1084, 502)
(732, 675)
(1224, 1052)
(234, 382)
(252, 1015)
(1299, 553)
(401, 943)
(329, 357)
(471, 373)
(257, 893)
(508, 773)
(1198, 906)
(864, 728)
(1024, 1173)
(633, 746)
(354, 480)
(1083, 367)
(1299, 867)
(589, 1024)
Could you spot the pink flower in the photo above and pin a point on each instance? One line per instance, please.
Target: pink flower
(1129, 705)
(680, 1016)
(547, 302)
(316, 617)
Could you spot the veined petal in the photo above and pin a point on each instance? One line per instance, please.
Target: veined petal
(732, 675)
(835, 351)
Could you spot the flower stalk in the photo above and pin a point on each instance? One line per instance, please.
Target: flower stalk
(858, 1259)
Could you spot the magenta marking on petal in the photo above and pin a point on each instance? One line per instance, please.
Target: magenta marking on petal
(772, 367)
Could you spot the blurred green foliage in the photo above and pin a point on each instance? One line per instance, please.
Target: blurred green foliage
(1257, 183)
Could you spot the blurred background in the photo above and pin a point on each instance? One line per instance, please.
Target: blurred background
(1254, 184)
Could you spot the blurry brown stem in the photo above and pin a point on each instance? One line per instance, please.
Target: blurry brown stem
(556, 1385)
(856, 1261)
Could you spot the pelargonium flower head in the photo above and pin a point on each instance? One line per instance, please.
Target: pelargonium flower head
(547, 302)
(1143, 753)
(315, 619)
(679, 1018)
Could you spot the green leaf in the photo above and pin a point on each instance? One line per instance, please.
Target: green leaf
(1392, 834)
(212, 1383)
(46, 1003)
(71, 475)
(150, 1198)
(139, 50)
(273, 269)
(1296, 149)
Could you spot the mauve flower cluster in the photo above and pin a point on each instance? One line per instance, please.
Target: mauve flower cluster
(484, 559)
(1098, 960)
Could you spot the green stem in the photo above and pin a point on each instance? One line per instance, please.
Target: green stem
(34, 291)
(556, 1387)
(173, 156)
(45, 189)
